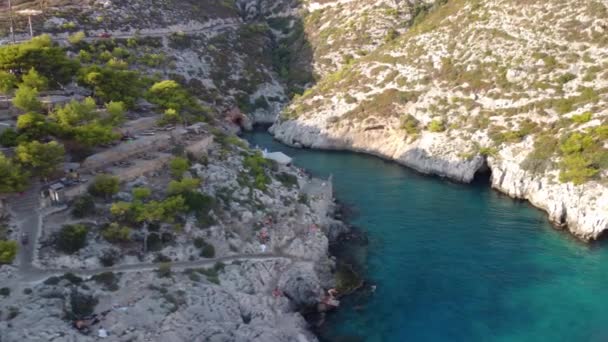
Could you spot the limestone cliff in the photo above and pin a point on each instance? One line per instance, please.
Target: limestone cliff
(523, 86)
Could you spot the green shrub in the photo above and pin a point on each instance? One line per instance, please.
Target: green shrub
(72, 278)
(71, 238)
(8, 251)
(583, 156)
(212, 273)
(5, 292)
(26, 99)
(199, 203)
(164, 270)
(8, 138)
(287, 179)
(582, 118)
(540, 159)
(110, 84)
(170, 116)
(565, 78)
(256, 164)
(83, 206)
(12, 177)
(436, 126)
(104, 186)
(81, 305)
(108, 258)
(564, 106)
(207, 249)
(115, 233)
(8, 82)
(76, 38)
(33, 124)
(179, 166)
(141, 193)
(410, 124)
(108, 280)
(168, 94)
(183, 186)
(34, 80)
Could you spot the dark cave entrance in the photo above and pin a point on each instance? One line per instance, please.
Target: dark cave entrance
(483, 175)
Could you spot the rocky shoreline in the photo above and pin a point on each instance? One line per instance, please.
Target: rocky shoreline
(243, 292)
(579, 209)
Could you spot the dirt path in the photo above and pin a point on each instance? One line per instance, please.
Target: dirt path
(34, 274)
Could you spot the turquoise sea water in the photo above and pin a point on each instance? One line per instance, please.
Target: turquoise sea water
(457, 262)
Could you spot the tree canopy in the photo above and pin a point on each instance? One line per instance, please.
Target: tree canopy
(71, 238)
(8, 82)
(44, 159)
(104, 186)
(83, 122)
(26, 99)
(12, 177)
(34, 80)
(177, 102)
(113, 85)
(39, 53)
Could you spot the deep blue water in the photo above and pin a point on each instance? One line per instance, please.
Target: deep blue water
(457, 262)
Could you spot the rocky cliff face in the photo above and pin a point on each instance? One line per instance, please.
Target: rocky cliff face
(224, 281)
(582, 209)
(480, 79)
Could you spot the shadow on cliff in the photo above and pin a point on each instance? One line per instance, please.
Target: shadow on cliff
(292, 54)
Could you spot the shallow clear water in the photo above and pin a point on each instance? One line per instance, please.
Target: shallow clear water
(457, 262)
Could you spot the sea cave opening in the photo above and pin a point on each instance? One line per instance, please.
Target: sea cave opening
(483, 175)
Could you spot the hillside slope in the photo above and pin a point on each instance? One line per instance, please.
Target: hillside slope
(518, 86)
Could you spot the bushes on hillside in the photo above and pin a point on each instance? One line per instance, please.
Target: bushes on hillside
(43, 159)
(34, 80)
(149, 212)
(256, 164)
(71, 238)
(26, 99)
(12, 177)
(104, 186)
(81, 305)
(116, 233)
(8, 251)
(83, 206)
(436, 126)
(583, 155)
(85, 124)
(109, 84)
(410, 125)
(8, 82)
(177, 102)
(49, 60)
(183, 186)
(179, 166)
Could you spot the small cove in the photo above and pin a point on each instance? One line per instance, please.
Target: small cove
(456, 262)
